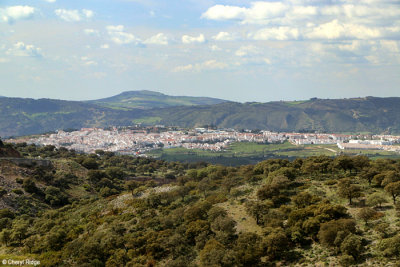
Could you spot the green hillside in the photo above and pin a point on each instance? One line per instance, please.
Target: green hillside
(20, 116)
(108, 210)
(369, 114)
(149, 99)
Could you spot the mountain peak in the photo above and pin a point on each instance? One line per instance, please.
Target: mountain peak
(141, 92)
(145, 99)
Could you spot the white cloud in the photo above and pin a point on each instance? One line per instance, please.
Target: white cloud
(187, 39)
(86, 61)
(390, 46)
(247, 50)
(183, 68)
(224, 36)
(88, 13)
(215, 48)
(221, 12)
(117, 28)
(198, 67)
(257, 13)
(213, 65)
(315, 19)
(267, 61)
(120, 37)
(21, 49)
(14, 13)
(336, 30)
(158, 39)
(276, 33)
(50, 1)
(91, 32)
(352, 47)
(105, 46)
(74, 15)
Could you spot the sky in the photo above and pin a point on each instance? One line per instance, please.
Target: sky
(233, 49)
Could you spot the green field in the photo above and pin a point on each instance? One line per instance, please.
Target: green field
(249, 153)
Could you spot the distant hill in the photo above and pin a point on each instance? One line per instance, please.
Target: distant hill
(149, 99)
(24, 116)
(20, 116)
(371, 114)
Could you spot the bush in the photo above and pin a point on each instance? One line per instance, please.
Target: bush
(90, 164)
(30, 186)
(346, 260)
(17, 191)
(2, 191)
(352, 245)
(55, 196)
(329, 231)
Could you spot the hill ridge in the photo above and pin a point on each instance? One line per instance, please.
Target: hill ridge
(19, 116)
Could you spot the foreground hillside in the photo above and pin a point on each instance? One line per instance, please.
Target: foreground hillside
(27, 116)
(108, 210)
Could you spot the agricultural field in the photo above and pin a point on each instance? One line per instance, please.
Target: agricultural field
(250, 153)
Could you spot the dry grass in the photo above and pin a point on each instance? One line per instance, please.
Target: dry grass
(245, 223)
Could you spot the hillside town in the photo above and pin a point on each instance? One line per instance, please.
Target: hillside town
(139, 140)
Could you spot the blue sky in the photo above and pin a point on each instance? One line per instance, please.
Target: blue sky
(232, 49)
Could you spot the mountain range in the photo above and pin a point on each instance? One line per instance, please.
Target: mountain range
(21, 116)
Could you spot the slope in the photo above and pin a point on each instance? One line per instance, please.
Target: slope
(148, 99)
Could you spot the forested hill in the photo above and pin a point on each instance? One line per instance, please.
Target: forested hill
(112, 210)
(369, 114)
(145, 99)
(376, 115)
(23, 116)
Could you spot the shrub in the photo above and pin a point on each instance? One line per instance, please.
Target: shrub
(17, 191)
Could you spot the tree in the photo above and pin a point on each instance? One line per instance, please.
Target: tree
(215, 254)
(394, 190)
(132, 185)
(5, 236)
(276, 243)
(216, 212)
(55, 196)
(376, 199)
(369, 174)
(19, 231)
(90, 163)
(115, 173)
(304, 199)
(224, 229)
(267, 192)
(196, 228)
(352, 246)
(361, 162)
(348, 190)
(230, 182)
(56, 238)
(257, 209)
(329, 231)
(344, 163)
(248, 249)
(30, 242)
(30, 186)
(366, 214)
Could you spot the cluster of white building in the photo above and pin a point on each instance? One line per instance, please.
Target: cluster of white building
(348, 142)
(140, 141)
